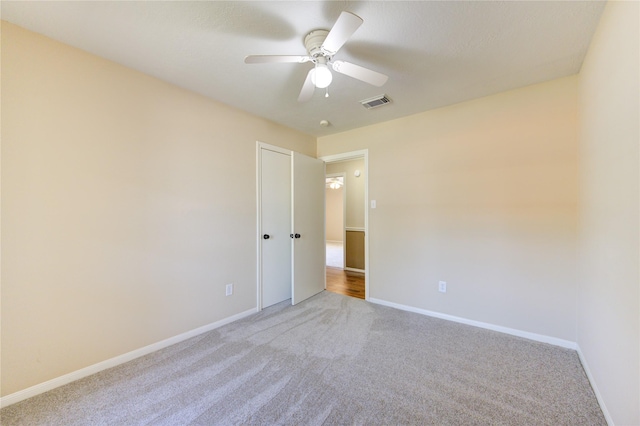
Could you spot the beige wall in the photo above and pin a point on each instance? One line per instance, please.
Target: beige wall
(354, 187)
(127, 205)
(609, 280)
(335, 214)
(482, 195)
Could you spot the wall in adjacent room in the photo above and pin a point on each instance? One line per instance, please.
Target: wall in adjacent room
(482, 195)
(334, 214)
(609, 220)
(354, 186)
(127, 205)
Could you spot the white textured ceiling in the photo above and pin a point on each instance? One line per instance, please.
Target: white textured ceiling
(435, 53)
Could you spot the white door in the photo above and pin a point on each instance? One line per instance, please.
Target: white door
(275, 226)
(308, 266)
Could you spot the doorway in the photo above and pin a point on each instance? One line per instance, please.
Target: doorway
(347, 202)
(335, 197)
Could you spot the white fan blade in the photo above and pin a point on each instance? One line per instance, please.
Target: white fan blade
(345, 26)
(307, 88)
(265, 59)
(360, 73)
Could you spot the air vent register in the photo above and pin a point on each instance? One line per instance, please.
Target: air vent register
(375, 102)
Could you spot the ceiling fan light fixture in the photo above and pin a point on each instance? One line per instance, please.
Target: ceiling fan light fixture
(321, 76)
(321, 46)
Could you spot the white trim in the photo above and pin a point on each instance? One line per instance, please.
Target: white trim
(120, 359)
(603, 407)
(352, 229)
(346, 156)
(366, 224)
(344, 219)
(526, 334)
(258, 226)
(354, 270)
(335, 242)
(324, 224)
(273, 148)
(352, 156)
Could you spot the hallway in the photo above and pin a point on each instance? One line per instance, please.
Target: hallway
(345, 282)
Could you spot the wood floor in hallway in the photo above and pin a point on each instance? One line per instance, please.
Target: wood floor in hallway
(345, 282)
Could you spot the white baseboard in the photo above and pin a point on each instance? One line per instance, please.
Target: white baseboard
(354, 270)
(603, 407)
(334, 241)
(121, 359)
(527, 335)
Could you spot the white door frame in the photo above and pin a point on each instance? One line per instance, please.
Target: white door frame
(353, 155)
(259, 147)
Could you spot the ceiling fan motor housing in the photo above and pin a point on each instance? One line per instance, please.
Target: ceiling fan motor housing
(313, 43)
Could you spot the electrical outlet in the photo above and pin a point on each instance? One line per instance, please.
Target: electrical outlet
(442, 286)
(229, 289)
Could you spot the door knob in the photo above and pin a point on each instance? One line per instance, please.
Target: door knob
(297, 235)
(266, 236)
(291, 235)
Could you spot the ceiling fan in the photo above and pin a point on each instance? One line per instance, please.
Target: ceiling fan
(321, 45)
(335, 182)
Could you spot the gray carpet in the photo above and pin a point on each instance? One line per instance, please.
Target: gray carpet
(330, 360)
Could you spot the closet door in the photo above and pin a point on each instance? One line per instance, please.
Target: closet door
(308, 265)
(275, 227)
